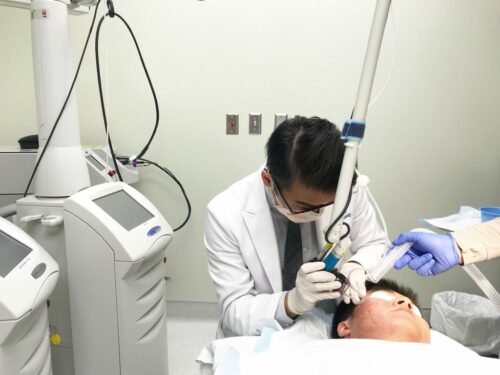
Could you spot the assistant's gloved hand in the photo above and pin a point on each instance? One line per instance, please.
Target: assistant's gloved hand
(430, 253)
(356, 275)
(312, 285)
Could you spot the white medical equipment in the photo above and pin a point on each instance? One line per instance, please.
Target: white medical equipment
(387, 262)
(28, 276)
(74, 7)
(16, 166)
(43, 220)
(115, 240)
(353, 132)
(62, 170)
(102, 169)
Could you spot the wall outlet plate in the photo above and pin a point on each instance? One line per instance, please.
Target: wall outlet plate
(232, 123)
(255, 123)
(279, 118)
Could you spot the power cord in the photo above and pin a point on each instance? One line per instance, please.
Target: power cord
(172, 176)
(138, 161)
(330, 227)
(111, 13)
(135, 160)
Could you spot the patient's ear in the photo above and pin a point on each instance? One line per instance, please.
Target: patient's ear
(344, 329)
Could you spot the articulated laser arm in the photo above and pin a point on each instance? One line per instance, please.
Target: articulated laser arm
(353, 132)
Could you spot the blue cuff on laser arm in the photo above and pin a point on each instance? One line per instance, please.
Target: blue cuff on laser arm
(353, 130)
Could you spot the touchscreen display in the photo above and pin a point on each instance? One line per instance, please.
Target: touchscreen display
(124, 209)
(12, 252)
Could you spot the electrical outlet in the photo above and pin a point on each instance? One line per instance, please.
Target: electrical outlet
(255, 123)
(232, 123)
(279, 118)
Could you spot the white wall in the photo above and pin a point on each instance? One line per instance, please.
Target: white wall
(432, 139)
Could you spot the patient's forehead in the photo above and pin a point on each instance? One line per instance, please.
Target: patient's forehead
(384, 293)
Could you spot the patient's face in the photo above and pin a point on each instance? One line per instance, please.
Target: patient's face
(386, 315)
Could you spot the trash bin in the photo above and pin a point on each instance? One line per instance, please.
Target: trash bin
(471, 320)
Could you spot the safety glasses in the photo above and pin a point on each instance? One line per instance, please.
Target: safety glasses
(278, 193)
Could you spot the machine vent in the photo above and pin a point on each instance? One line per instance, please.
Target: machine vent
(150, 267)
(154, 331)
(156, 310)
(151, 293)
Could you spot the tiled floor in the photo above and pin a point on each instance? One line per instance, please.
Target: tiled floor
(190, 326)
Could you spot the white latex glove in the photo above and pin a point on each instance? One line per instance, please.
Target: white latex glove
(312, 285)
(356, 275)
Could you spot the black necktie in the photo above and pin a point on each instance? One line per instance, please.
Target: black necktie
(293, 255)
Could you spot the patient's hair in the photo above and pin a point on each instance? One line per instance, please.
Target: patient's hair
(345, 310)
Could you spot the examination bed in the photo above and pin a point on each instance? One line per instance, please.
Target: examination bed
(306, 348)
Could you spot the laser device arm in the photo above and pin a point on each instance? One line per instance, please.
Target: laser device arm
(353, 132)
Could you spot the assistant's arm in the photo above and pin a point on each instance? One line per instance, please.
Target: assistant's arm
(432, 254)
(480, 242)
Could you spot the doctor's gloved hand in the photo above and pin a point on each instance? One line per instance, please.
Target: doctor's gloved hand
(311, 285)
(430, 253)
(356, 289)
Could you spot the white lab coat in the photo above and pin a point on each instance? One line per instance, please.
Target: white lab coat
(243, 256)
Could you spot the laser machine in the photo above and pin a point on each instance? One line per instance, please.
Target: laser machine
(115, 239)
(28, 276)
(63, 170)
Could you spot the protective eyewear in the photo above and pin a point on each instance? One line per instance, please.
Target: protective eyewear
(315, 209)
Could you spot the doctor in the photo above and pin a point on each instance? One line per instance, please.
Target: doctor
(261, 232)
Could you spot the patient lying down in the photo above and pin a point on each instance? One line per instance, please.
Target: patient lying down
(389, 312)
(388, 321)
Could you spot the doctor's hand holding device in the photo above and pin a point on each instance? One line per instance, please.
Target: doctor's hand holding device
(312, 285)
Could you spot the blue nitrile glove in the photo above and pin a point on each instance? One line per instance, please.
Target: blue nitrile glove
(430, 253)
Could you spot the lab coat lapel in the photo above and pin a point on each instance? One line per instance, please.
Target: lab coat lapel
(259, 223)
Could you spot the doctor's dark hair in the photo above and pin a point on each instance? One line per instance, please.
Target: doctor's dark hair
(345, 310)
(308, 150)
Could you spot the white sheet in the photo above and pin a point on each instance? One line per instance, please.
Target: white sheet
(306, 349)
(465, 218)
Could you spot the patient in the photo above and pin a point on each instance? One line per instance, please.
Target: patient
(389, 312)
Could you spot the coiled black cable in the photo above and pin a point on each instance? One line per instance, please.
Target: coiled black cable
(138, 160)
(111, 13)
(330, 227)
(172, 176)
